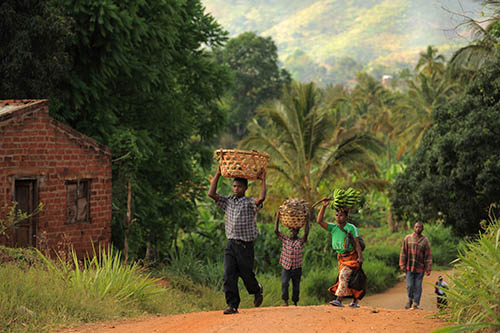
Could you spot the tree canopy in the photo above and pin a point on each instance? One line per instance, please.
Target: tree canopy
(455, 174)
(257, 77)
(34, 57)
(137, 76)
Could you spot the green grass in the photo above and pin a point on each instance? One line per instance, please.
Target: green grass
(48, 295)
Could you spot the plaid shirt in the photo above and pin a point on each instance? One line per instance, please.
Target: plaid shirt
(416, 255)
(240, 217)
(291, 251)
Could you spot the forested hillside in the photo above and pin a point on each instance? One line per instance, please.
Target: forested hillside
(312, 35)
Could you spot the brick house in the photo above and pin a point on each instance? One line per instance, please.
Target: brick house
(43, 160)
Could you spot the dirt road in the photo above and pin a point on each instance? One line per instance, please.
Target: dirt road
(378, 313)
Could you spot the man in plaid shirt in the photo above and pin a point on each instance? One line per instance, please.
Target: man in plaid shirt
(241, 231)
(415, 258)
(291, 260)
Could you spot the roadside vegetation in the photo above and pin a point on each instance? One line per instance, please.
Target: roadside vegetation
(474, 296)
(39, 294)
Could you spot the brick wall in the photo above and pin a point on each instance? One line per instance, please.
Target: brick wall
(35, 146)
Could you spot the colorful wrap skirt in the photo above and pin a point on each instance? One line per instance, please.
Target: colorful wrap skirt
(351, 280)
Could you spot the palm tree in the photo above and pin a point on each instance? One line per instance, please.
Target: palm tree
(309, 143)
(467, 60)
(430, 62)
(425, 94)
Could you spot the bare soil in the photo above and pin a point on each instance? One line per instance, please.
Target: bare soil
(379, 313)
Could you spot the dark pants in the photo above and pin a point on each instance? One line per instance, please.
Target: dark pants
(286, 275)
(442, 302)
(238, 262)
(414, 286)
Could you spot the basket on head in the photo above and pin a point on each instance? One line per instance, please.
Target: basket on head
(241, 163)
(293, 213)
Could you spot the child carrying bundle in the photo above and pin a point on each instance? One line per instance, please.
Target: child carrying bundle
(293, 214)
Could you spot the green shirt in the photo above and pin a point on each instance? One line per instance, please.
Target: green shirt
(338, 237)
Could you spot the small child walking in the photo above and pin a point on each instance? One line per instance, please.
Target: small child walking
(441, 285)
(291, 260)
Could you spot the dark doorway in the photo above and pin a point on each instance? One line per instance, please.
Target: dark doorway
(25, 196)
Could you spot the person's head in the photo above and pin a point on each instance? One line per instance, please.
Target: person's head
(341, 215)
(240, 186)
(294, 232)
(418, 228)
(440, 278)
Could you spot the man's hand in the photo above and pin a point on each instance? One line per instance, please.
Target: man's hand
(326, 202)
(262, 174)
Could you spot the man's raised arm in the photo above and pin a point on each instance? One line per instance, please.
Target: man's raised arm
(262, 195)
(212, 191)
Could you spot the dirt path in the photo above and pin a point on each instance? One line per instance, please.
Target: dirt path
(378, 313)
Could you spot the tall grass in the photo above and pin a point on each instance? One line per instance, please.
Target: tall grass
(474, 296)
(104, 274)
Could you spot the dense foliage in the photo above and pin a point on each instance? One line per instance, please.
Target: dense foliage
(455, 174)
(34, 57)
(256, 78)
(474, 296)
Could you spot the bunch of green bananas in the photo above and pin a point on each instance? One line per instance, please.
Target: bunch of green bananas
(345, 198)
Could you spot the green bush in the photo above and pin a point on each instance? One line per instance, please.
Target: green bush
(379, 276)
(474, 296)
(317, 282)
(197, 269)
(20, 256)
(388, 254)
(444, 244)
(318, 250)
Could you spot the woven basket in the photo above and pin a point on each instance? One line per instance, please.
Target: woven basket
(241, 163)
(293, 213)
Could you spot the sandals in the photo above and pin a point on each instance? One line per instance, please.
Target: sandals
(336, 303)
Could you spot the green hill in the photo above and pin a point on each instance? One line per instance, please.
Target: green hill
(384, 32)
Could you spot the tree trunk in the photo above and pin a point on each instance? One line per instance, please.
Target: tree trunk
(390, 221)
(128, 221)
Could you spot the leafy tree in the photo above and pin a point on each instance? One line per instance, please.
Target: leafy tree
(137, 76)
(309, 143)
(303, 67)
(455, 174)
(343, 70)
(34, 61)
(253, 61)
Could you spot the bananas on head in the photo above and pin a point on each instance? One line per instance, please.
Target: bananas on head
(345, 198)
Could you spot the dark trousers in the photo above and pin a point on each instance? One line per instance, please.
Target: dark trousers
(286, 275)
(238, 262)
(442, 302)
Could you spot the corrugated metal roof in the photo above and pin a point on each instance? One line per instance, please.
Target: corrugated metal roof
(10, 105)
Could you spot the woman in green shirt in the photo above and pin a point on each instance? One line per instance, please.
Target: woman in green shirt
(349, 254)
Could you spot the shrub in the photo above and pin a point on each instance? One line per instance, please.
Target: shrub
(317, 282)
(474, 296)
(199, 271)
(388, 254)
(444, 244)
(379, 276)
